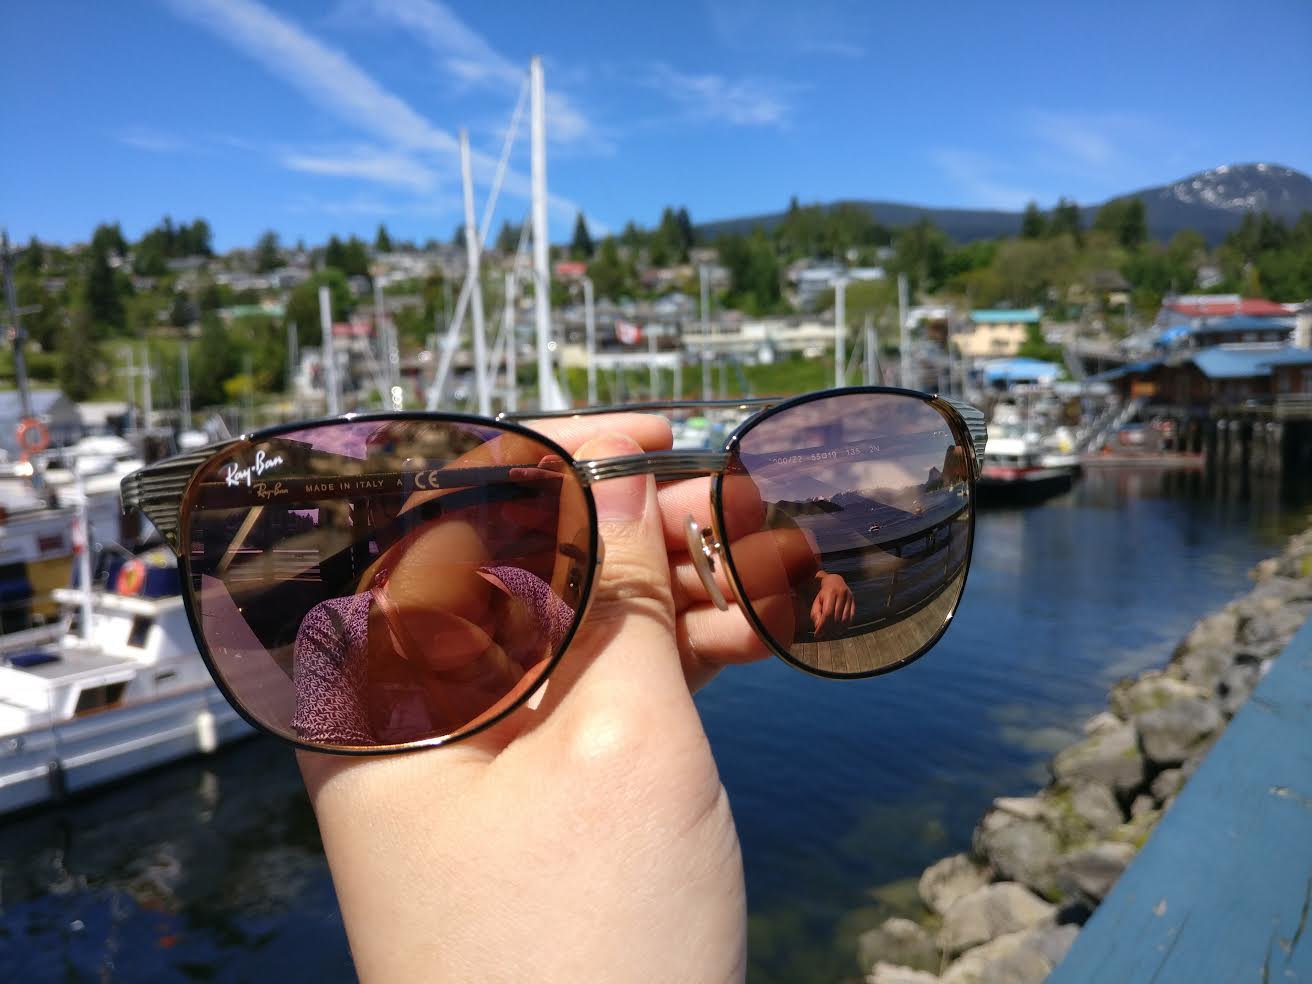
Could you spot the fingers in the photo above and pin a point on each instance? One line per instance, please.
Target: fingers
(624, 654)
(710, 639)
(650, 432)
(740, 501)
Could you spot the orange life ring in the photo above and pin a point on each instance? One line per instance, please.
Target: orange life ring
(32, 435)
(131, 578)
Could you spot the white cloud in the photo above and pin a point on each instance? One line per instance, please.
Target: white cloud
(973, 174)
(365, 163)
(331, 80)
(470, 59)
(369, 205)
(742, 102)
(155, 141)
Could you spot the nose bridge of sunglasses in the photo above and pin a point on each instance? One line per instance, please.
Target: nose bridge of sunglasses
(704, 547)
(664, 466)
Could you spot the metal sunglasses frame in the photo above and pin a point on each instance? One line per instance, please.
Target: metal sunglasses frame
(162, 492)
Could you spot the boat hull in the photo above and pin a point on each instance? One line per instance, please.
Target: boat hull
(45, 764)
(1022, 486)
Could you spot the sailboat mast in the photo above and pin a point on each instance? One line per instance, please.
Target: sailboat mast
(547, 395)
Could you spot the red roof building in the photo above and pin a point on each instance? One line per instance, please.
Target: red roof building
(1221, 307)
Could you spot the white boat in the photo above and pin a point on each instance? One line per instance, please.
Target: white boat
(86, 701)
(1019, 464)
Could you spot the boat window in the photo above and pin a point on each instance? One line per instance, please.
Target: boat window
(140, 630)
(99, 698)
(165, 676)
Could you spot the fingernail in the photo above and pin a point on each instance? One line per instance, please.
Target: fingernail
(618, 499)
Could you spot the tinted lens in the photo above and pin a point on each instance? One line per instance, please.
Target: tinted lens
(379, 583)
(850, 525)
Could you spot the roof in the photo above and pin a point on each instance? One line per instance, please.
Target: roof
(1238, 322)
(1243, 363)
(1226, 306)
(43, 401)
(1120, 371)
(1005, 316)
(1019, 370)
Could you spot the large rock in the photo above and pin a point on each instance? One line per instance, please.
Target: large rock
(1167, 784)
(887, 973)
(1092, 871)
(1016, 958)
(1111, 758)
(990, 912)
(1217, 631)
(1096, 806)
(1151, 691)
(1267, 632)
(1204, 666)
(1102, 722)
(948, 880)
(900, 942)
(1236, 685)
(1169, 734)
(1018, 850)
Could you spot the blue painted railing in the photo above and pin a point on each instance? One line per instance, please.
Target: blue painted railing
(1223, 889)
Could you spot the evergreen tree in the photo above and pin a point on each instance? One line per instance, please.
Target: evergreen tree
(268, 255)
(382, 241)
(1065, 220)
(580, 247)
(104, 301)
(1032, 225)
(77, 368)
(508, 238)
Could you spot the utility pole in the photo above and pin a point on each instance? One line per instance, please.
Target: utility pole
(17, 336)
(548, 388)
(185, 401)
(904, 334)
(590, 337)
(473, 251)
(508, 331)
(706, 333)
(329, 356)
(840, 332)
(872, 357)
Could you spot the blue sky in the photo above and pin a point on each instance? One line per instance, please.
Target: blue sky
(318, 116)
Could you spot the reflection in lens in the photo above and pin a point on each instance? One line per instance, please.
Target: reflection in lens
(386, 582)
(862, 551)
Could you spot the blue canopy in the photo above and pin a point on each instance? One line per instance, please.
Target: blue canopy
(1020, 370)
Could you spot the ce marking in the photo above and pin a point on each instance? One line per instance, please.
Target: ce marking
(428, 480)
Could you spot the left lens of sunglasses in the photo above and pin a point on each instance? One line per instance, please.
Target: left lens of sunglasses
(378, 584)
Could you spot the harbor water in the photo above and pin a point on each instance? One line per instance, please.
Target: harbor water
(213, 870)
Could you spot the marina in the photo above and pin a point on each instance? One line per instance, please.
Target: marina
(215, 863)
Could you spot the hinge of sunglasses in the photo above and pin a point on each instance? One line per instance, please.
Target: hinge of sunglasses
(703, 548)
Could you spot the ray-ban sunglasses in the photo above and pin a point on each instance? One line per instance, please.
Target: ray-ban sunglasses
(383, 582)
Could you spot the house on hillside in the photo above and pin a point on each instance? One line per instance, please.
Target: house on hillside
(996, 333)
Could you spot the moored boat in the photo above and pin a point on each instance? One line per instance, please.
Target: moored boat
(113, 688)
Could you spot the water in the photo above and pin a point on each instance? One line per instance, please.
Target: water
(213, 870)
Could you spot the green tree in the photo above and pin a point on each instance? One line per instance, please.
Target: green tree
(921, 253)
(80, 357)
(1036, 346)
(580, 247)
(268, 252)
(303, 305)
(103, 295)
(754, 276)
(214, 360)
(350, 257)
(508, 238)
(1065, 220)
(182, 312)
(611, 276)
(1124, 220)
(108, 239)
(1032, 224)
(382, 241)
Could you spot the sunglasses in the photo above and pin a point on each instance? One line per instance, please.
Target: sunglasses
(378, 583)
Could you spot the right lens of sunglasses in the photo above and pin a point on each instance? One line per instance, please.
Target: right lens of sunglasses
(849, 520)
(377, 584)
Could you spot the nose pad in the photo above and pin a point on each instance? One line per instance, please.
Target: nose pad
(703, 548)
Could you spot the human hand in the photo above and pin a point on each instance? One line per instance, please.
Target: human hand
(833, 605)
(588, 837)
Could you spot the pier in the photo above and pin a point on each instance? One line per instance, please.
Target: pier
(1223, 888)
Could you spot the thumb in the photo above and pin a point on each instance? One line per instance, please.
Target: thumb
(625, 648)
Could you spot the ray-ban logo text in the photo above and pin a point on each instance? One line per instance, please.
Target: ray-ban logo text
(234, 474)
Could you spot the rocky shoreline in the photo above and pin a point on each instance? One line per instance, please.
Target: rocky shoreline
(1010, 908)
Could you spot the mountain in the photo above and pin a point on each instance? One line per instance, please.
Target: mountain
(1213, 202)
